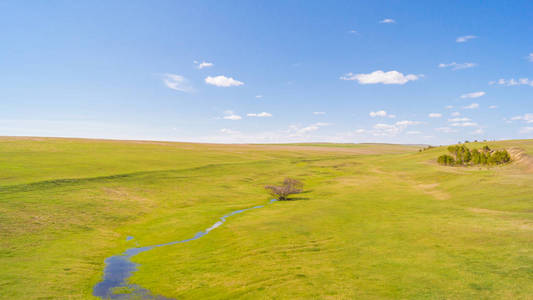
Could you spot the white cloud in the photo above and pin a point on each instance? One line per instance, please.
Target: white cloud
(292, 134)
(477, 131)
(459, 120)
(445, 129)
(472, 95)
(526, 130)
(471, 106)
(435, 115)
(464, 124)
(387, 21)
(204, 64)
(222, 81)
(229, 115)
(295, 130)
(229, 131)
(449, 106)
(407, 123)
(382, 129)
(232, 117)
(528, 118)
(465, 38)
(379, 113)
(353, 31)
(319, 113)
(530, 57)
(390, 77)
(455, 114)
(493, 106)
(177, 82)
(512, 82)
(258, 96)
(458, 66)
(260, 115)
(389, 130)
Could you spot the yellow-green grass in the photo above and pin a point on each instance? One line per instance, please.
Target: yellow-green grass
(376, 221)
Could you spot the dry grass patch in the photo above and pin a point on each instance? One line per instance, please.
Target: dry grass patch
(520, 157)
(356, 149)
(431, 189)
(123, 194)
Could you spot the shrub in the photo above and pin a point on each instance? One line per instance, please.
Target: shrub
(484, 158)
(499, 157)
(476, 157)
(461, 155)
(446, 160)
(425, 148)
(290, 186)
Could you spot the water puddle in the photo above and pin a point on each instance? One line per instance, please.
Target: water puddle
(119, 268)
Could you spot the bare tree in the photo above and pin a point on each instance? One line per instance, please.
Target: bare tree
(290, 186)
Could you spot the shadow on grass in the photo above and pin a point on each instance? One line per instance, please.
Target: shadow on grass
(296, 199)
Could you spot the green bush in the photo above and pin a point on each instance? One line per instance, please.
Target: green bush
(446, 160)
(462, 156)
(499, 157)
(476, 157)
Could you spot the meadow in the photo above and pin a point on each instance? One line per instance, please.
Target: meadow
(375, 221)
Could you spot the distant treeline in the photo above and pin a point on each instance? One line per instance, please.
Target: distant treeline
(462, 156)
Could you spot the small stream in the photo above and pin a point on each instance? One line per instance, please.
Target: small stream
(119, 268)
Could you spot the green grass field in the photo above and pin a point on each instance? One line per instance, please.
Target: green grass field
(376, 221)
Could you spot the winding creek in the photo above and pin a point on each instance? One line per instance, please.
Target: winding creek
(119, 268)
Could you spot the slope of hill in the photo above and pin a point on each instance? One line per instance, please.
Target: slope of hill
(375, 221)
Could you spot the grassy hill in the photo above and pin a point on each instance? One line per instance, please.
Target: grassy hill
(376, 220)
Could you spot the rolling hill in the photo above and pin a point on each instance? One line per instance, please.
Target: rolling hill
(375, 220)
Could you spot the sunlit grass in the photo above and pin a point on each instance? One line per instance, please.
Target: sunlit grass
(370, 225)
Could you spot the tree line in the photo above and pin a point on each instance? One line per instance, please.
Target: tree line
(462, 156)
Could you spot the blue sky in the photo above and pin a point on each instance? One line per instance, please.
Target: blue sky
(432, 72)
